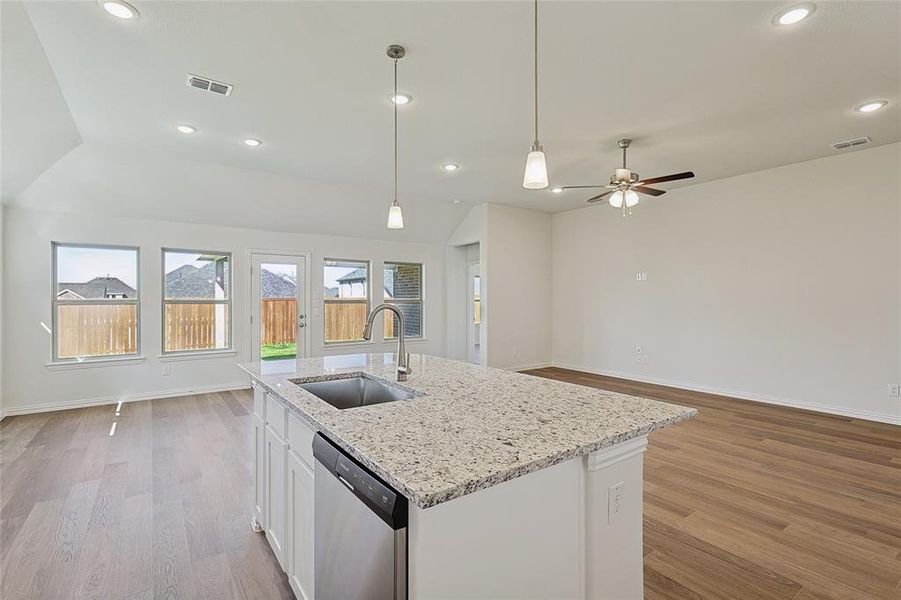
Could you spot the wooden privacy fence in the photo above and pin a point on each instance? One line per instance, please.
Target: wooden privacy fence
(278, 320)
(193, 326)
(344, 320)
(96, 330)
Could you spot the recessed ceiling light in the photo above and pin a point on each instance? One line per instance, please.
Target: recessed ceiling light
(120, 9)
(794, 14)
(252, 142)
(400, 99)
(186, 128)
(450, 167)
(557, 190)
(873, 106)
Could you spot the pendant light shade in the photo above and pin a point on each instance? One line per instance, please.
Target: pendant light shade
(535, 175)
(395, 217)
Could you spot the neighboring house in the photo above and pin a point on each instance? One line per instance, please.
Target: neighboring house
(207, 282)
(402, 281)
(352, 285)
(274, 285)
(98, 288)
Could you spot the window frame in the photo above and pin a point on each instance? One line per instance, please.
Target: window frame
(420, 300)
(326, 301)
(55, 302)
(227, 302)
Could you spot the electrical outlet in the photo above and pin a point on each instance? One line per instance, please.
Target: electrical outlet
(643, 359)
(637, 349)
(894, 389)
(614, 501)
(641, 277)
(165, 370)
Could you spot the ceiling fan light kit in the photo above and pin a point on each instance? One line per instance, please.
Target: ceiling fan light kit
(625, 185)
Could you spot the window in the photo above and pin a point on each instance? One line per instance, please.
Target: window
(346, 299)
(477, 300)
(95, 302)
(403, 287)
(196, 301)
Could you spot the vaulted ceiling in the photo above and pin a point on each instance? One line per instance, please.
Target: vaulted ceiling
(709, 86)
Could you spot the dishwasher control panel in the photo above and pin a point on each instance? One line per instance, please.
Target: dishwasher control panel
(381, 498)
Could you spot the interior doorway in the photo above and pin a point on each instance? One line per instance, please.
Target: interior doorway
(279, 320)
(474, 316)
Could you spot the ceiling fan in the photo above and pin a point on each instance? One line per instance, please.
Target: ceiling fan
(625, 185)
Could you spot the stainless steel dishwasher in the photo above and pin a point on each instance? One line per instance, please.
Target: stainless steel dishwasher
(360, 530)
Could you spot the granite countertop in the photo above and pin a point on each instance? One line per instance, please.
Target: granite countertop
(469, 427)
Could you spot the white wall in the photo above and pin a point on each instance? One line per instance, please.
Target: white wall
(2, 259)
(469, 233)
(515, 267)
(29, 385)
(781, 285)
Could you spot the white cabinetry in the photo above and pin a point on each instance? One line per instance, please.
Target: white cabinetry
(283, 488)
(276, 474)
(300, 527)
(259, 458)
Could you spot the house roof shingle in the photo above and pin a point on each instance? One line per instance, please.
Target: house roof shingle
(99, 287)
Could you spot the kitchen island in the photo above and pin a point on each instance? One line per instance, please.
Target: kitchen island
(518, 486)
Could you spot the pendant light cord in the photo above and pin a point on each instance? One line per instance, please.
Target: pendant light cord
(536, 71)
(394, 101)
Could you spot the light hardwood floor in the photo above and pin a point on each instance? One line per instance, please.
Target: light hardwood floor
(752, 501)
(158, 508)
(747, 502)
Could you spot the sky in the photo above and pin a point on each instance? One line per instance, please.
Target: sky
(78, 265)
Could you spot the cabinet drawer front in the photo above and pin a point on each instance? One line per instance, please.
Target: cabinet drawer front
(300, 438)
(259, 400)
(276, 412)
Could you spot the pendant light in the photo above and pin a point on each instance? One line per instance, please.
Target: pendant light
(395, 215)
(535, 176)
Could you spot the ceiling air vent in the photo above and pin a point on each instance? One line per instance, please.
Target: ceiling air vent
(850, 143)
(204, 83)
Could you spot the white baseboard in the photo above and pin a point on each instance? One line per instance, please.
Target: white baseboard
(530, 367)
(102, 401)
(765, 399)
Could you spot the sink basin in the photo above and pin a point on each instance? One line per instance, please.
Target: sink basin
(351, 392)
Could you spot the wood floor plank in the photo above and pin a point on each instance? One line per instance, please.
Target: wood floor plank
(749, 501)
(812, 499)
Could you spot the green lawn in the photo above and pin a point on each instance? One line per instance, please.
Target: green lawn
(277, 351)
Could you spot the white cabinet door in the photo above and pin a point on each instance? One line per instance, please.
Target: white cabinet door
(276, 476)
(259, 471)
(300, 527)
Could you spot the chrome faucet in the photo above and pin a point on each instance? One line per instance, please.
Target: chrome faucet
(403, 359)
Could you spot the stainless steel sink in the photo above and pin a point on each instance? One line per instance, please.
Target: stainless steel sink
(351, 392)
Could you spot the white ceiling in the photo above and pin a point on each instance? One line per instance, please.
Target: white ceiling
(709, 86)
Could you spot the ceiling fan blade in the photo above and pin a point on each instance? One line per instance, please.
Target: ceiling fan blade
(594, 199)
(577, 187)
(646, 190)
(674, 177)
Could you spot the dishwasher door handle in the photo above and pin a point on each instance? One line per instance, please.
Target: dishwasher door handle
(345, 482)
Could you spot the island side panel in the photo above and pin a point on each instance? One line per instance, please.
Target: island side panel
(520, 539)
(614, 561)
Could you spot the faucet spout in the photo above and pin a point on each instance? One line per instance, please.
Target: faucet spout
(403, 359)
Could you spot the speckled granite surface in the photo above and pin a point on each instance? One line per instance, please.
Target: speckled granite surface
(469, 427)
